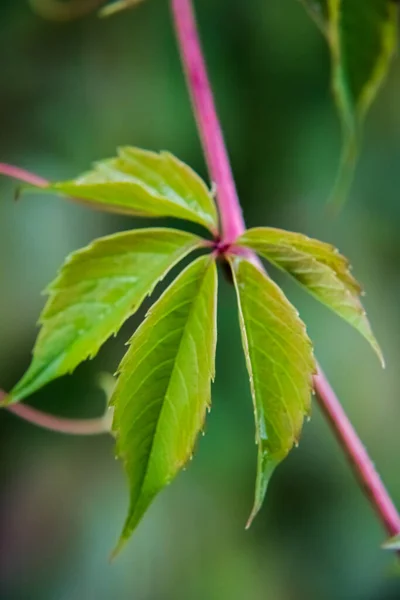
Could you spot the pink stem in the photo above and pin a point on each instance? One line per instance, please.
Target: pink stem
(58, 424)
(233, 225)
(22, 175)
(357, 455)
(207, 120)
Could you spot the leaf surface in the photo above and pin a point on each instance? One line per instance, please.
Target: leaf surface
(319, 268)
(97, 289)
(361, 35)
(147, 184)
(163, 389)
(280, 364)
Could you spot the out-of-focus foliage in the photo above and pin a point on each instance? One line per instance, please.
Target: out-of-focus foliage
(68, 10)
(270, 72)
(64, 10)
(362, 36)
(318, 10)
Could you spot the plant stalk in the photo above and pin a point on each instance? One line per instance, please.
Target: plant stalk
(22, 175)
(58, 424)
(233, 225)
(208, 125)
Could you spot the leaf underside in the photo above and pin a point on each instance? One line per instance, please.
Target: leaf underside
(147, 184)
(361, 35)
(163, 389)
(280, 364)
(319, 268)
(97, 289)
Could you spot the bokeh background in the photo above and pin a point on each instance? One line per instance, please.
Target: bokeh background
(70, 94)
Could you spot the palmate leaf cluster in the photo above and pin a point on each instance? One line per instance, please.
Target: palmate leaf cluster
(163, 389)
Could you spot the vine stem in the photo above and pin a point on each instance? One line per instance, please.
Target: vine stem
(233, 225)
(58, 424)
(22, 175)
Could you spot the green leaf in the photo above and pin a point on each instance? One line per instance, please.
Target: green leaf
(319, 268)
(362, 38)
(97, 289)
(164, 386)
(392, 544)
(280, 364)
(147, 184)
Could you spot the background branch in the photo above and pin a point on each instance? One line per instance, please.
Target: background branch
(59, 424)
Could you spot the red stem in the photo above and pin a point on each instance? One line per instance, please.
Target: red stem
(207, 121)
(22, 175)
(58, 424)
(357, 455)
(233, 226)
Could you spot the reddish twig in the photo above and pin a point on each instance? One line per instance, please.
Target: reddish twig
(22, 175)
(58, 424)
(357, 455)
(233, 226)
(207, 121)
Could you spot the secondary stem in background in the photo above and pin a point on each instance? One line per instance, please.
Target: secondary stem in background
(233, 225)
(59, 424)
(22, 175)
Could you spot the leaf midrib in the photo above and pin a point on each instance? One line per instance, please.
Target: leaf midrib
(159, 419)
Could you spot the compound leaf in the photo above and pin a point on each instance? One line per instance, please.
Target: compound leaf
(361, 35)
(163, 388)
(147, 184)
(97, 289)
(280, 364)
(319, 268)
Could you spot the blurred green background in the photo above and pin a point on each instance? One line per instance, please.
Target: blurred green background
(71, 93)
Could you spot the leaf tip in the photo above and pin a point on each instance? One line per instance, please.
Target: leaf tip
(378, 351)
(117, 549)
(252, 516)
